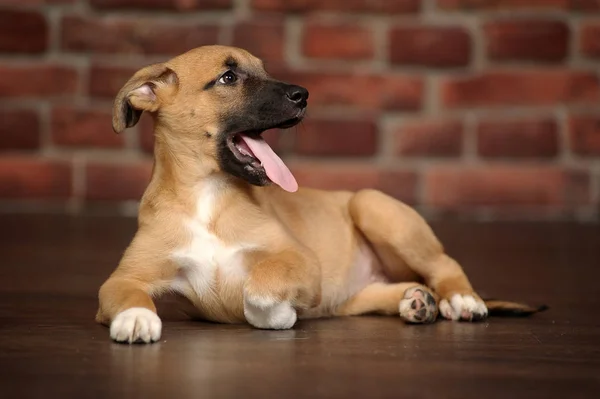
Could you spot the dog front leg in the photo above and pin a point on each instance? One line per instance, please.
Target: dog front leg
(278, 285)
(126, 306)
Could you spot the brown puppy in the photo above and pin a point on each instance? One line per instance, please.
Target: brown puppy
(213, 227)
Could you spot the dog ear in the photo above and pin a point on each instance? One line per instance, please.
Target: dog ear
(139, 94)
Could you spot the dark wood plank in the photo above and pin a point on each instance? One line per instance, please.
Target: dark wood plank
(52, 267)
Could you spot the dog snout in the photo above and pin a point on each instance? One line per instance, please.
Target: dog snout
(297, 94)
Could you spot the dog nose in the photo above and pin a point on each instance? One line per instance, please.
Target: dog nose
(296, 94)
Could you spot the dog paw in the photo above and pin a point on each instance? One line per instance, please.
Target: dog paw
(418, 306)
(267, 313)
(463, 307)
(136, 325)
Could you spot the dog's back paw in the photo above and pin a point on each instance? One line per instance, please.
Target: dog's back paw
(418, 306)
(463, 307)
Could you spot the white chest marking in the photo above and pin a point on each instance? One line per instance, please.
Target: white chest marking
(206, 253)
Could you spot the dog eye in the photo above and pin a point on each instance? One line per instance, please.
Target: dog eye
(228, 78)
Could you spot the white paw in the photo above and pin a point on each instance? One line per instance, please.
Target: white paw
(136, 325)
(463, 307)
(269, 314)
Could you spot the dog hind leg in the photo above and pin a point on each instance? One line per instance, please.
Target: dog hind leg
(402, 239)
(414, 302)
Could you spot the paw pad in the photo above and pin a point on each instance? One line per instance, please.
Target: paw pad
(418, 306)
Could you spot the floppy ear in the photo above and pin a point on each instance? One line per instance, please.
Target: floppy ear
(139, 94)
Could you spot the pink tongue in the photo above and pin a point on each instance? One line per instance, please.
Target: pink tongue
(274, 166)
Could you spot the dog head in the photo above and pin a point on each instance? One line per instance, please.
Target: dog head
(214, 103)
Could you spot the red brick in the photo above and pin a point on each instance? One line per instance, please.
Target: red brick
(429, 138)
(23, 31)
(24, 177)
(32, 3)
(576, 5)
(435, 46)
(543, 87)
(336, 137)
(133, 36)
(590, 40)
(400, 184)
(264, 38)
(378, 6)
(526, 39)
(584, 5)
(584, 133)
(117, 181)
(373, 92)
(177, 5)
(19, 129)
(505, 186)
(106, 81)
(37, 80)
(76, 127)
(518, 138)
(331, 41)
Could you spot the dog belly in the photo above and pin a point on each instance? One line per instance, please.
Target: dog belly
(364, 270)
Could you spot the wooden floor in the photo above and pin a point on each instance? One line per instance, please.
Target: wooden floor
(52, 267)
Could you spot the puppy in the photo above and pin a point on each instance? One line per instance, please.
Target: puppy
(223, 224)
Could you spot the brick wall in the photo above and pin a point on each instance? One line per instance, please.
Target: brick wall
(479, 107)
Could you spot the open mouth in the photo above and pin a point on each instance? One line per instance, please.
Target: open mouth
(252, 150)
(242, 150)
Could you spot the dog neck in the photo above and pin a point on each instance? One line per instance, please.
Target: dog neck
(180, 159)
(182, 167)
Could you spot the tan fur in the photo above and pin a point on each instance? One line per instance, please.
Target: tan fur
(311, 248)
(378, 298)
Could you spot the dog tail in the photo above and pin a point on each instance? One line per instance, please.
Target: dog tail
(501, 308)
